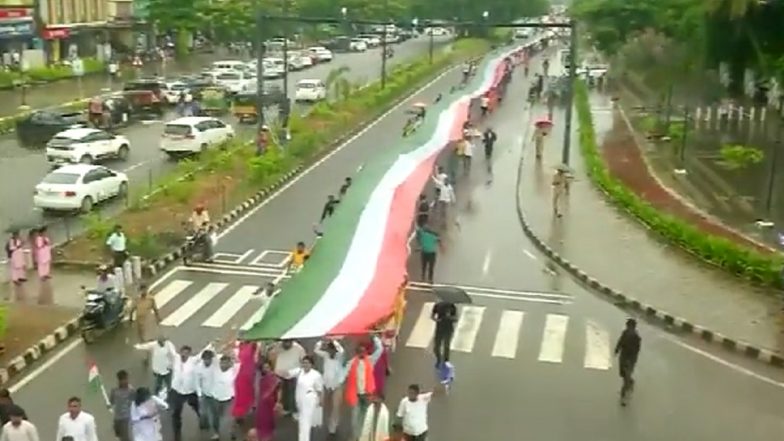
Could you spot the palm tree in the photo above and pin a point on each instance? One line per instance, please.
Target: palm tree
(338, 87)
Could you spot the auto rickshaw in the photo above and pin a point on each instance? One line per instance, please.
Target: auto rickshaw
(214, 101)
(244, 108)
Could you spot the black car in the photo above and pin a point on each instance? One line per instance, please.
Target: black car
(40, 126)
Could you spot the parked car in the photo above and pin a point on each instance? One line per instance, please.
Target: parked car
(357, 45)
(295, 62)
(307, 59)
(321, 53)
(37, 128)
(370, 39)
(193, 134)
(234, 82)
(86, 145)
(310, 90)
(79, 187)
(226, 66)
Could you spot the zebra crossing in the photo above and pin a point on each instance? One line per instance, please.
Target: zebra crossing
(512, 339)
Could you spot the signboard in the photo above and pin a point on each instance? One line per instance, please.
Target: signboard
(16, 12)
(78, 67)
(17, 4)
(55, 33)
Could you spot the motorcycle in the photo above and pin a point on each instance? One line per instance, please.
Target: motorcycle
(197, 245)
(103, 311)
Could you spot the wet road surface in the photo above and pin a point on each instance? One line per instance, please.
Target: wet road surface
(524, 365)
(21, 168)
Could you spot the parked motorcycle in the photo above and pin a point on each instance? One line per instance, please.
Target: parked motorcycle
(103, 311)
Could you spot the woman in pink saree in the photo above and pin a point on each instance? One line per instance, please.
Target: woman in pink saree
(268, 402)
(14, 249)
(43, 254)
(244, 382)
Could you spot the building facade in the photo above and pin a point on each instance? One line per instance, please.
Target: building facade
(129, 28)
(72, 28)
(17, 30)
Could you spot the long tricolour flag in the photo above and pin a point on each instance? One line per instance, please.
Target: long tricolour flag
(351, 280)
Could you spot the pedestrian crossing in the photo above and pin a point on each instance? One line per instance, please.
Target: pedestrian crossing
(512, 339)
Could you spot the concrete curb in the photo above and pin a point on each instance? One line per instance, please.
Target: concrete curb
(671, 321)
(39, 350)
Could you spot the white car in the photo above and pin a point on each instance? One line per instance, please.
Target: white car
(79, 187)
(370, 39)
(86, 145)
(306, 59)
(436, 31)
(310, 90)
(193, 134)
(357, 45)
(234, 82)
(295, 62)
(172, 91)
(523, 33)
(321, 53)
(227, 66)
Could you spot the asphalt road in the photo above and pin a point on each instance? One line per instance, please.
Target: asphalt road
(21, 168)
(532, 351)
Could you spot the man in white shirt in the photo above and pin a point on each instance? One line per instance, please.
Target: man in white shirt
(117, 244)
(220, 392)
(204, 378)
(334, 373)
(288, 356)
(162, 355)
(184, 387)
(18, 429)
(412, 412)
(76, 424)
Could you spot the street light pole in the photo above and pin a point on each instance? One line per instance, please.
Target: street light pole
(431, 42)
(259, 66)
(286, 102)
(570, 93)
(772, 173)
(384, 47)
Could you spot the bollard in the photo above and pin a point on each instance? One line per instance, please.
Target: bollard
(118, 280)
(29, 263)
(136, 261)
(127, 270)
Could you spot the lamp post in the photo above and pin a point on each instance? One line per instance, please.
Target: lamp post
(344, 14)
(485, 16)
(259, 66)
(384, 47)
(570, 93)
(286, 103)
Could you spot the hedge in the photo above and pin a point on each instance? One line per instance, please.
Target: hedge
(48, 74)
(737, 259)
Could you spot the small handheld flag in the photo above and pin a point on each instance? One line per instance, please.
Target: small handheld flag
(95, 383)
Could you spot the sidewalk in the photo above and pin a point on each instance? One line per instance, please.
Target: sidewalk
(616, 250)
(52, 94)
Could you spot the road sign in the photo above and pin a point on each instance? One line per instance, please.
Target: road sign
(78, 67)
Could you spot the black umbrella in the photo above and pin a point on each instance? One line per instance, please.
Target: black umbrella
(451, 294)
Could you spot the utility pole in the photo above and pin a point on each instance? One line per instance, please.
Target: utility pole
(384, 46)
(431, 42)
(774, 159)
(286, 104)
(259, 66)
(570, 93)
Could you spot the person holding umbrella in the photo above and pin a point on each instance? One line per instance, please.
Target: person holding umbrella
(444, 313)
(541, 130)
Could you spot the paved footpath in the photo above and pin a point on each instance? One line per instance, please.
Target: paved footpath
(618, 251)
(532, 351)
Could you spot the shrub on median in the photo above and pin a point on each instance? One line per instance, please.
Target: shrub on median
(223, 178)
(48, 73)
(746, 262)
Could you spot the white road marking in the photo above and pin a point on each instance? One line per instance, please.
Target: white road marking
(530, 254)
(244, 256)
(597, 347)
(424, 328)
(505, 345)
(486, 263)
(258, 261)
(420, 285)
(467, 328)
(194, 304)
(258, 272)
(171, 291)
(553, 338)
(133, 167)
(222, 316)
(517, 298)
(403, 102)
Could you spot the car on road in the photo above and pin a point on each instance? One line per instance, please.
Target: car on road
(235, 81)
(306, 59)
(357, 45)
(227, 66)
(37, 128)
(370, 39)
(436, 31)
(321, 53)
(172, 90)
(86, 145)
(310, 90)
(193, 134)
(295, 62)
(78, 187)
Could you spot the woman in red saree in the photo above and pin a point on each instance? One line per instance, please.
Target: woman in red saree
(244, 383)
(268, 401)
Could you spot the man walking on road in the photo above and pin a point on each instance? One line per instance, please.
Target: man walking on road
(76, 424)
(162, 355)
(627, 349)
(18, 428)
(333, 357)
(121, 398)
(445, 315)
(428, 244)
(184, 387)
(488, 139)
(412, 412)
(288, 356)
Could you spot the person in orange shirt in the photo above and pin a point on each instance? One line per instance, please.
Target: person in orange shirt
(298, 257)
